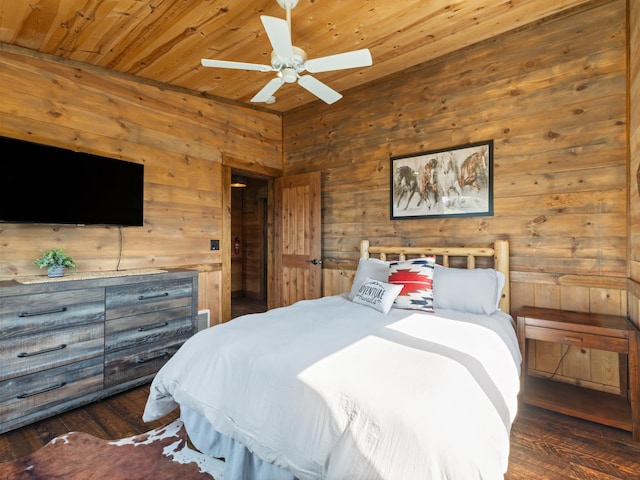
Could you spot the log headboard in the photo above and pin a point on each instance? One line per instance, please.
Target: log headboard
(499, 252)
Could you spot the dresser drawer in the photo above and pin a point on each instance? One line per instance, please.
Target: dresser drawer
(579, 339)
(128, 300)
(125, 365)
(33, 353)
(28, 394)
(43, 312)
(150, 327)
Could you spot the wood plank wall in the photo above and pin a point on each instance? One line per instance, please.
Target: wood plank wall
(182, 139)
(634, 161)
(552, 96)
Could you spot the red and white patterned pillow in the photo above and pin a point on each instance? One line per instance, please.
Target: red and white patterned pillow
(416, 277)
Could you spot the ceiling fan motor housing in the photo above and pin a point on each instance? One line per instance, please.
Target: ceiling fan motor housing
(296, 63)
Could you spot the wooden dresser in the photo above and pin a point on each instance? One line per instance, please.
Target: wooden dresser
(69, 342)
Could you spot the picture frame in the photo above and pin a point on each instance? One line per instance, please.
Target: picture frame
(449, 182)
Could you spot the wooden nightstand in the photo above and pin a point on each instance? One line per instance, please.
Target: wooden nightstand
(604, 332)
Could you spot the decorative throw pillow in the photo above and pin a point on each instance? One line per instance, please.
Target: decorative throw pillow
(416, 278)
(369, 267)
(376, 294)
(475, 290)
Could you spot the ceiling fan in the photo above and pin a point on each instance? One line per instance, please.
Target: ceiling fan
(290, 62)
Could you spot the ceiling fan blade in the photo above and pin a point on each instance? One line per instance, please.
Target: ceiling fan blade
(319, 89)
(279, 35)
(268, 90)
(341, 61)
(237, 65)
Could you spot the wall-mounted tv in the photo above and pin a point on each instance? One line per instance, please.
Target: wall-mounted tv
(51, 185)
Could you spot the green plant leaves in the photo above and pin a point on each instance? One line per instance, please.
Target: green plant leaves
(54, 257)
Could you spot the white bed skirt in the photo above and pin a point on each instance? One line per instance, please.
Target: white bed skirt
(239, 462)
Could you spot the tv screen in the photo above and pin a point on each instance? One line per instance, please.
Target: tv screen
(44, 184)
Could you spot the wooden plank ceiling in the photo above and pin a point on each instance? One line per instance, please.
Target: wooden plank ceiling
(164, 40)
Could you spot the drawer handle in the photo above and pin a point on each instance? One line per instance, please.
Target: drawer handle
(43, 312)
(39, 352)
(44, 390)
(572, 339)
(153, 327)
(150, 359)
(148, 297)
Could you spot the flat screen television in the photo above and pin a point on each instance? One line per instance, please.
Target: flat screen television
(92, 190)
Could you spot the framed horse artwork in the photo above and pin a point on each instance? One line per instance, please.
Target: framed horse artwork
(450, 182)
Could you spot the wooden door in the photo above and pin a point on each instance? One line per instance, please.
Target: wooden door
(297, 239)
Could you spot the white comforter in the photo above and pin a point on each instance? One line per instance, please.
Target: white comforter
(328, 389)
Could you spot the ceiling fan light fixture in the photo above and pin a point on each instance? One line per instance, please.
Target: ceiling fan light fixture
(289, 75)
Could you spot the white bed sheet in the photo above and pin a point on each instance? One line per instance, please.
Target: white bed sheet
(329, 389)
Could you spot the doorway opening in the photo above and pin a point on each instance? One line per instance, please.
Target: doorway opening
(249, 244)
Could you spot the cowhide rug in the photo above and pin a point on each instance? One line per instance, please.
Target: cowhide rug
(160, 454)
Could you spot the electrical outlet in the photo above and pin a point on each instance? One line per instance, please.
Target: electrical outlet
(214, 244)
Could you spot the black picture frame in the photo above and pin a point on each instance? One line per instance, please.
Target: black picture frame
(449, 182)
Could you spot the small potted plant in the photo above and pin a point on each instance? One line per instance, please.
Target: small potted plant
(56, 261)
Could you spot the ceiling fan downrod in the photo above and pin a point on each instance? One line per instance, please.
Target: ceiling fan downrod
(288, 5)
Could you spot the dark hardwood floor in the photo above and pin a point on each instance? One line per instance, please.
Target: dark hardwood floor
(544, 445)
(549, 445)
(243, 305)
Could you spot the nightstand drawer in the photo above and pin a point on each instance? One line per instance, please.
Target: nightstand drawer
(578, 339)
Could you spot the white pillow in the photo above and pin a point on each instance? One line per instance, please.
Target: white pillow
(376, 294)
(369, 267)
(476, 290)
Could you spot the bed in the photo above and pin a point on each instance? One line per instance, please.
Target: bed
(412, 374)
